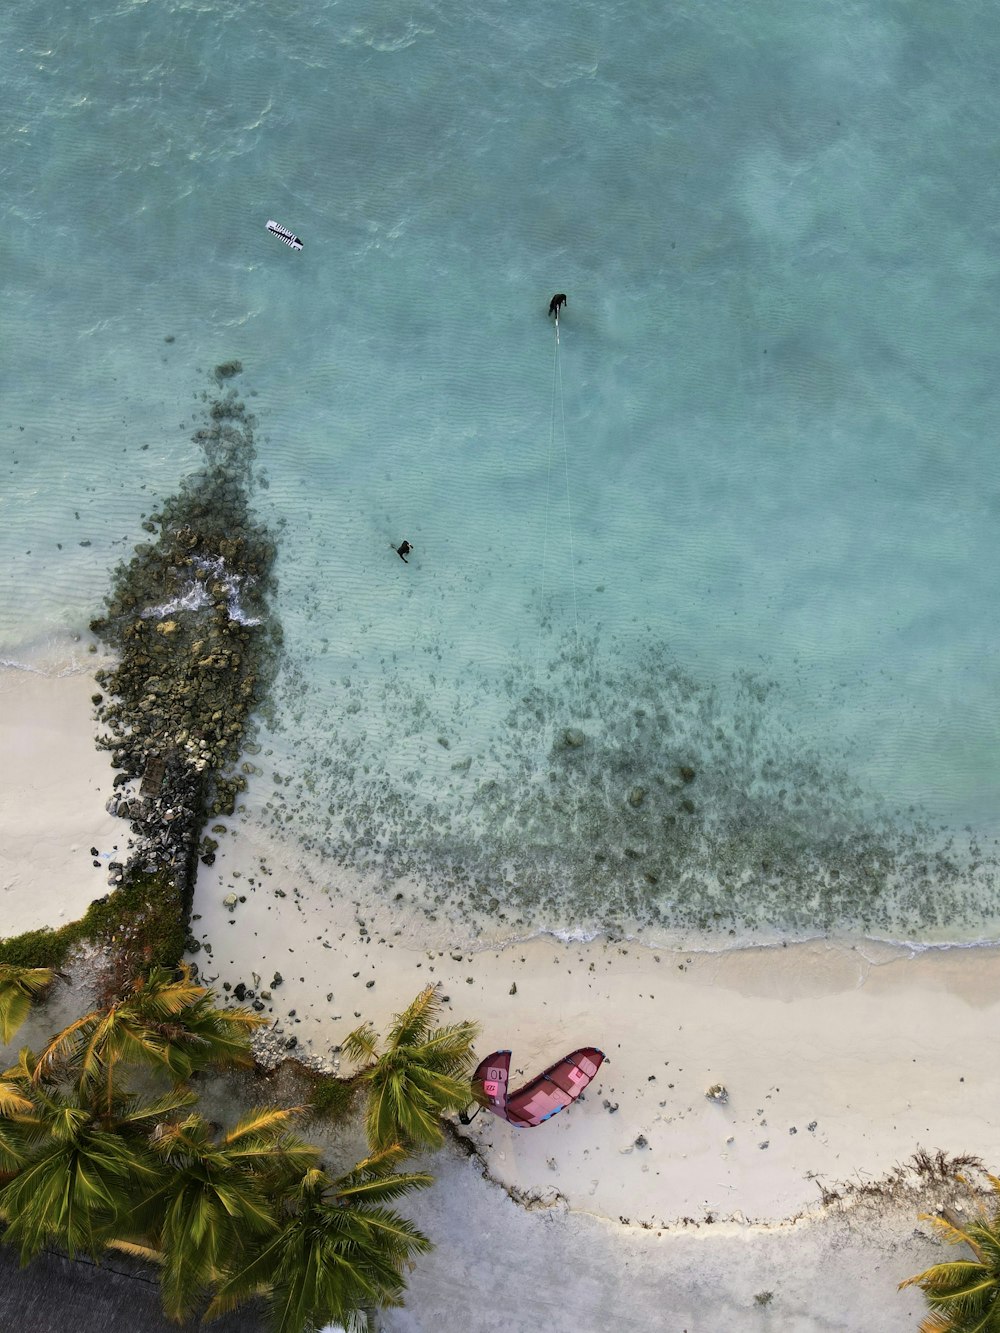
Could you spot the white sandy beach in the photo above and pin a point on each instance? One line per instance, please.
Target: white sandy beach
(53, 789)
(840, 1059)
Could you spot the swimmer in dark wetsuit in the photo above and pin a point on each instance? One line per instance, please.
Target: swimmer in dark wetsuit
(403, 550)
(556, 304)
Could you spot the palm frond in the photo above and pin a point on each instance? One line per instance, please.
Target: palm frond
(13, 1101)
(412, 1026)
(361, 1044)
(19, 987)
(261, 1121)
(63, 1046)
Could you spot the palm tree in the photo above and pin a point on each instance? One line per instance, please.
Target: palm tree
(964, 1295)
(82, 1160)
(19, 986)
(422, 1074)
(339, 1249)
(164, 1021)
(213, 1197)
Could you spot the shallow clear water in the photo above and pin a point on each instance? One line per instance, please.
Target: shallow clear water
(742, 520)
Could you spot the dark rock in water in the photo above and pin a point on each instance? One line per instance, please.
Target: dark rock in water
(688, 805)
(573, 738)
(688, 774)
(228, 369)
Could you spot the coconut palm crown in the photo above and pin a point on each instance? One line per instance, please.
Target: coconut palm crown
(164, 1020)
(339, 1249)
(964, 1295)
(422, 1073)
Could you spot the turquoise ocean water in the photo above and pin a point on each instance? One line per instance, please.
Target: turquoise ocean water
(699, 631)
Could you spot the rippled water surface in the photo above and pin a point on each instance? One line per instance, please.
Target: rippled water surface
(699, 627)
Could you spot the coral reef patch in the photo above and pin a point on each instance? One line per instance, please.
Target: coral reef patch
(618, 793)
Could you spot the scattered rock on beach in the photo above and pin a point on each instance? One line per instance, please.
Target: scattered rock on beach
(718, 1094)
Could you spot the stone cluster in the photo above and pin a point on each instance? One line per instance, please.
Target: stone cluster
(188, 620)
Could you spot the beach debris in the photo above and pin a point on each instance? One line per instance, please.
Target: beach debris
(765, 1144)
(513, 988)
(718, 1094)
(811, 1126)
(230, 901)
(276, 980)
(610, 1107)
(642, 1141)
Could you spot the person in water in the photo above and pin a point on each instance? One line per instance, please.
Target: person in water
(403, 550)
(556, 304)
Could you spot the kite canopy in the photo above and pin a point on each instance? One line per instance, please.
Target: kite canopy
(540, 1099)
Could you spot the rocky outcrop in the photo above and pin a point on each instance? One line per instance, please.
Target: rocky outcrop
(189, 621)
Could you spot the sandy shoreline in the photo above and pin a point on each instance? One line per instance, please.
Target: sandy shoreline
(841, 1058)
(53, 789)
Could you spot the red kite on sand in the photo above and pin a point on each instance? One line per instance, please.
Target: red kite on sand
(540, 1099)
